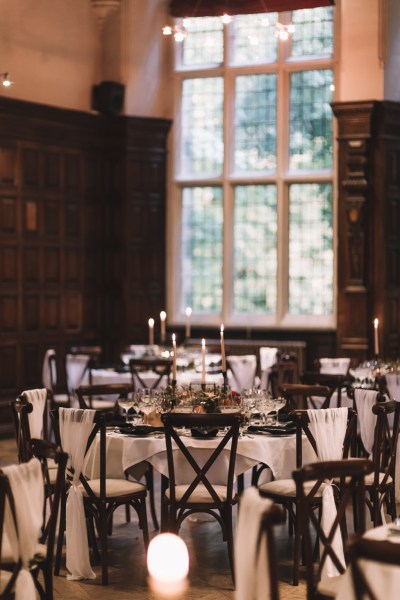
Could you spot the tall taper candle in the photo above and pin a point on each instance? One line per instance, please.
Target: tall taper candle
(188, 312)
(151, 332)
(376, 337)
(203, 361)
(163, 316)
(223, 350)
(174, 357)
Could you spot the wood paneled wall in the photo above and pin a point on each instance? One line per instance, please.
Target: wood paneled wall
(368, 228)
(82, 202)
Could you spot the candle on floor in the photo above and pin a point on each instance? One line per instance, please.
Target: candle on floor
(168, 565)
(376, 337)
(163, 317)
(173, 357)
(223, 356)
(188, 312)
(203, 361)
(151, 332)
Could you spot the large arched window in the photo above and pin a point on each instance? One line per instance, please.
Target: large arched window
(251, 203)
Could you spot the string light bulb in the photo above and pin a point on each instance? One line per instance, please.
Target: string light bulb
(178, 32)
(283, 32)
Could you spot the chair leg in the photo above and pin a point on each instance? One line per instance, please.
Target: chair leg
(149, 475)
(227, 517)
(61, 531)
(143, 522)
(297, 549)
(103, 527)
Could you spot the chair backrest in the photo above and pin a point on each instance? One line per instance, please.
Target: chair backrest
(339, 366)
(31, 414)
(49, 370)
(160, 366)
(363, 402)
(385, 442)
(390, 384)
(243, 369)
(300, 395)
(172, 423)
(351, 474)
(373, 565)
(113, 391)
(268, 358)
(335, 382)
(301, 418)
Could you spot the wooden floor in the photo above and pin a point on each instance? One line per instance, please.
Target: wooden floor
(209, 570)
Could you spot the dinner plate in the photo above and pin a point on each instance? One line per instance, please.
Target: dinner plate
(139, 430)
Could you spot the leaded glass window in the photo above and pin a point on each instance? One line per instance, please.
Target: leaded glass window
(251, 203)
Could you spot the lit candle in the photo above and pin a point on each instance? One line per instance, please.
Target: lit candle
(376, 337)
(203, 360)
(163, 316)
(168, 565)
(188, 312)
(173, 357)
(223, 350)
(151, 332)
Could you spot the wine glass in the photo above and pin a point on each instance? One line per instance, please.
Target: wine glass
(278, 404)
(146, 399)
(125, 403)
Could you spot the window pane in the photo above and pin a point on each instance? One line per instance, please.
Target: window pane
(313, 35)
(202, 126)
(310, 249)
(310, 137)
(204, 44)
(254, 39)
(202, 249)
(255, 131)
(255, 234)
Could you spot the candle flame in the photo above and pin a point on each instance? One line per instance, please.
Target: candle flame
(151, 322)
(173, 337)
(376, 323)
(188, 311)
(222, 329)
(203, 343)
(163, 315)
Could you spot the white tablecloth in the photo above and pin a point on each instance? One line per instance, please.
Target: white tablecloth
(124, 452)
(383, 579)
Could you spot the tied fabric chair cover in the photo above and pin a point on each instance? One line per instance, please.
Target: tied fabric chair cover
(252, 564)
(268, 358)
(339, 366)
(364, 401)
(75, 427)
(328, 428)
(49, 375)
(26, 483)
(38, 399)
(242, 371)
(77, 370)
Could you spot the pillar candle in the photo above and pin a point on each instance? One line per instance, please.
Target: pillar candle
(376, 337)
(223, 350)
(163, 316)
(188, 312)
(174, 357)
(203, 360)
(168, 566)
(151, 332)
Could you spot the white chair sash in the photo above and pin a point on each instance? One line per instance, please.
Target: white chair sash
(251, 569)
(47, 376)
(334, 366)
(38, 399)
(365, 399)
(242, 375)
(328, 428)
(26, 482)
(77, 371)
(75, 427)
(268, 357)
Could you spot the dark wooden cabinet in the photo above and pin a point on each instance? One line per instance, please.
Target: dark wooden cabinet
(368, 227)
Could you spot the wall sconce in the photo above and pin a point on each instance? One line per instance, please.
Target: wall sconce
(6, 80)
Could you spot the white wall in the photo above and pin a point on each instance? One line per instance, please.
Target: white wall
(51, 50)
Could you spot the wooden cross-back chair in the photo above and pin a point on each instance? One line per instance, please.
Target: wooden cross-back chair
(333, 381)
(103, 396)
(284, 491)
(162, 367)
(300, 395)
(20, 409)
(42, 562)
(366, 557)
(200, 494)
(350, 475)
(102, 496)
